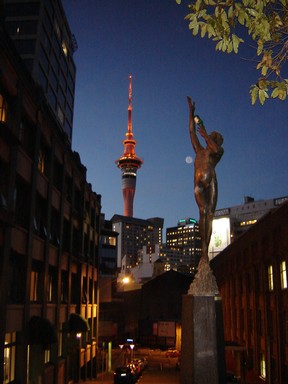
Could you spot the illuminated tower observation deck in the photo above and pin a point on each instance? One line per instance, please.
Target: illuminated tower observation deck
(129, 163)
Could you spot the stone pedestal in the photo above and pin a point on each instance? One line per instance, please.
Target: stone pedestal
(202, 346)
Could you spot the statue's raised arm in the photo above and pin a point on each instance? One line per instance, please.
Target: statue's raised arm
(192, 126)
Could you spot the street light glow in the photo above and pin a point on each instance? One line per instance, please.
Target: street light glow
(125, 280)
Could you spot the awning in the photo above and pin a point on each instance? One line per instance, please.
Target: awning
(41, 331)
(78, 323)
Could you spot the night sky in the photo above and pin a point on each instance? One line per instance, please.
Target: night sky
(151, 41)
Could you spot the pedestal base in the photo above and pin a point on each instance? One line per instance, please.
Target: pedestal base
(202, 350)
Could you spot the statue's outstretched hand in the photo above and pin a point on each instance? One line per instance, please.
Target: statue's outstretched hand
(191, 104)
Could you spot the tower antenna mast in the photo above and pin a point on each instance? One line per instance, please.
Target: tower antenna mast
(129, 163)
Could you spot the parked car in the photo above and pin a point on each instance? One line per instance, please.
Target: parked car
(135, 370)
(124, 375)
(137, 365)
(172, 353)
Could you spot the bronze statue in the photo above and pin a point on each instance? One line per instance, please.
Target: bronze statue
(205, 181)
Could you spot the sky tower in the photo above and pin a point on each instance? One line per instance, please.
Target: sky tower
(129, 163)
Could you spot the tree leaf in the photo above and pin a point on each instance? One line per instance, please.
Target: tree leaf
(254, 91)
(275, 93)
(263, 95)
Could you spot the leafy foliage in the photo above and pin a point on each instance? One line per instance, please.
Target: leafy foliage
(266, 22)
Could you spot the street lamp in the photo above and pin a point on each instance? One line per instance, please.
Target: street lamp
(126, 280)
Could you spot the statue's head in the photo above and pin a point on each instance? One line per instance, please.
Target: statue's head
(217, 137)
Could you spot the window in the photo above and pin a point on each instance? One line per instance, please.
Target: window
(25, 47)
(283, 274)
(9, 357)
(60, 115)
(3, 109)
(34, 286)
(41, 161)
(60, 341)
(263, 366)
(52, 285)
(47, 356)
(270, 278)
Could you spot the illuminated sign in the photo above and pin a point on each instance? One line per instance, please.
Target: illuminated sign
(220, 237)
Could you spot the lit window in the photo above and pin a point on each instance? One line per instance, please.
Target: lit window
(64, 48)
(283, 275)
(41, 161)
(47, 356)
(9, 357)
(270, 278)
(112, 240)
(34, 286)
(3, 109)
(263, 366)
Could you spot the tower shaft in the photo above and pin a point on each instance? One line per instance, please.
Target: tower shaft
(129, 163)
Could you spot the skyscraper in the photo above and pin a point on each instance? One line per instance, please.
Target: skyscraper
(183, 246)
(129, 163)
(42, 36)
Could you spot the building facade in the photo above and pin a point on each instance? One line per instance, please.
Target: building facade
(183, 246)
(134, 234)
(41, 34)
(252, 278)
(49, 239)
(230, 223)
(108, 248)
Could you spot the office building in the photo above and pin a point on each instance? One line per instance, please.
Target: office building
(134, 234)
(183, 246)
(41, 34)
(49, 239)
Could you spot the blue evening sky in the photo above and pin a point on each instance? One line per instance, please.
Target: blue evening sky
(150, 40)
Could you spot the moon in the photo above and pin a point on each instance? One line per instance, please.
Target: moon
(188, 159)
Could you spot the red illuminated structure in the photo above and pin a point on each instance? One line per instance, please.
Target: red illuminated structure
(129, 163)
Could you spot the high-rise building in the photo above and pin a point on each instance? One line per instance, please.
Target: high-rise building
(49, 239)
(134, 234)
(129, 163)
(41, 34)
(183, 246)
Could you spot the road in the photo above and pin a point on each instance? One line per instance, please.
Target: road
(160, 369)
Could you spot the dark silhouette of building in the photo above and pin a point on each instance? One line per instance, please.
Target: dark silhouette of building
(129, 163)
(161, 306)
(252, 278)
(49, 238)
